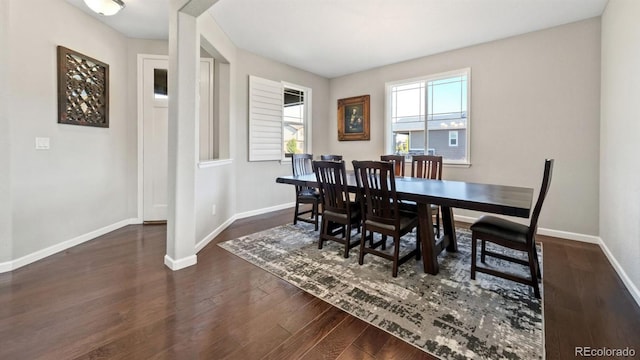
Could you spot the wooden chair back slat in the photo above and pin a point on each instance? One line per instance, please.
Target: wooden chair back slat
(427, 167)
(379, 191)
(398, 163)
(331, 157)
(332, 180)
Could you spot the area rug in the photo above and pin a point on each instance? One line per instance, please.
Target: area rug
(447, 315)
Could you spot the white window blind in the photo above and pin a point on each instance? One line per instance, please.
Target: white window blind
(265, 119)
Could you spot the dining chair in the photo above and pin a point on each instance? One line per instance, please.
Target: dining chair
(383, 214)
(339, 213)
(331, 157)
(302, 165)
(514, 236)
(398, 163)
(428, 167)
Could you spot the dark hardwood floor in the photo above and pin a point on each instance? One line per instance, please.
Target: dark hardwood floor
(113, 298)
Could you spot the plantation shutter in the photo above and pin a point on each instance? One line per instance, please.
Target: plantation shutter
(265, 119)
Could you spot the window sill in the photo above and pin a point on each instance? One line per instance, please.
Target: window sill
(457, 165)
(214, 163)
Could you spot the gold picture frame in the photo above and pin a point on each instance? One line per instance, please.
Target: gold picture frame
(353, 118)
(83, 89)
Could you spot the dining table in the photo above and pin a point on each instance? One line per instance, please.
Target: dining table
(448, 194)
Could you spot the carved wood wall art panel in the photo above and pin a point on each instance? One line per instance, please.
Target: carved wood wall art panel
(83, 89)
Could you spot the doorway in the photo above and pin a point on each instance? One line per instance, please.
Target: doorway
(153, 117)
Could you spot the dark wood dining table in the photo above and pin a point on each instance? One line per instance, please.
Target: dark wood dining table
(497, 199)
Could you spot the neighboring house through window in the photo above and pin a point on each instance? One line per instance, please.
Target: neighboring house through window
(453, 138)
(430, 115)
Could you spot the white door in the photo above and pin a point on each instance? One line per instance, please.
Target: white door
(155, 139)
(155, 131)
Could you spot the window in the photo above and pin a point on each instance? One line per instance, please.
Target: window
(294, 121)
(430, 115)
(214, 92)
(279, 119)
(160, 88)
(453, 138)
(208, 132)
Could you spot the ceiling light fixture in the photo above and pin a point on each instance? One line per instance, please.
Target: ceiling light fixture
(105, 7)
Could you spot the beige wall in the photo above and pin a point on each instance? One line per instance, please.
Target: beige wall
(6, 245)
(82, 183)
(256, 184)
(88, 180)
(529, 95)
(216, 185)
(619, 137)
(534, 96)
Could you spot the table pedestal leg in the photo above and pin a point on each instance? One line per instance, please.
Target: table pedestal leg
(425, 227)
(449, 229)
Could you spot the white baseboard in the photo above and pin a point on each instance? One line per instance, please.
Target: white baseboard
(180, 263)
(6, 266)
(633, 289)
(41, 254)
(569, 235)
(192, 260)
(464, 219)
(207, 239)
(544, 231)
(169, 262)
(264, 210)
(204, 242)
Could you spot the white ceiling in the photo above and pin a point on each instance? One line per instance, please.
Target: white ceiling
(337, 37)
(143, 19)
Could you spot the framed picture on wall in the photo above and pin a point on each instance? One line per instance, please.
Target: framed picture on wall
(83, 89)
(353, 118)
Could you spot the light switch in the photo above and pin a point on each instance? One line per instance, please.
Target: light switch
(42, 143)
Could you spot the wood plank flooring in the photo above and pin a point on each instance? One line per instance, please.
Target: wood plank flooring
(113, 298)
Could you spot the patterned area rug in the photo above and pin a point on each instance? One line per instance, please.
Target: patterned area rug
(447, 315)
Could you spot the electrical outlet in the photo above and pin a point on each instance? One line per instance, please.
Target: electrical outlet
(213, 209)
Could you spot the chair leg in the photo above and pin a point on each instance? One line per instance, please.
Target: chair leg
(295, 213)
(538, 270)
(418, 244)
(325, 230)
(347, 241)
(534, 277)
(483, 257)
(384, 242)
(315, 215)
(473, 255)
(438, 223)
(362, 242)
(396, 256)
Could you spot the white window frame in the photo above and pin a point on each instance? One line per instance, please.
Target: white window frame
(307, 117)
(388, 138)
(267, 118)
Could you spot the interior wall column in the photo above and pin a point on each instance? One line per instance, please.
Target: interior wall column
(183, 151)
(184, 54)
